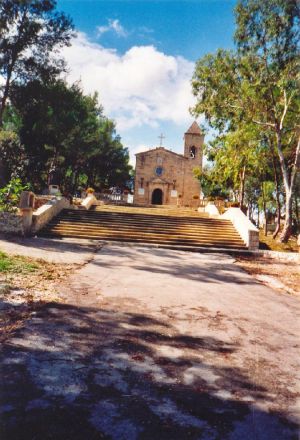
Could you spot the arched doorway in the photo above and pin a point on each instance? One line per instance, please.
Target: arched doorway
(157, 197)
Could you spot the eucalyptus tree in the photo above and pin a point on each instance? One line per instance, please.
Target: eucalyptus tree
(237, 155)
(259, 83)
(270, 32)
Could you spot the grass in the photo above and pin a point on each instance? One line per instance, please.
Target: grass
(16, 264)
(267, 242)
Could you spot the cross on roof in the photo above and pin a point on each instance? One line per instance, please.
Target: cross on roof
(161, 137)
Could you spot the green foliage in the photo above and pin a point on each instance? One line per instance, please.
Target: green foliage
(269, 28)
(30, 32)
(64, 128)
(18, 264)
(13, 156)
(210, 186)
(10, 195)
(256, 85)
(266, 200)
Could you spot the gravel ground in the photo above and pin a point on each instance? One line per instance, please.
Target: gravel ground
(283, 276)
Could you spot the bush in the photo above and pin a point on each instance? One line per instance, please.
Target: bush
(10, 195)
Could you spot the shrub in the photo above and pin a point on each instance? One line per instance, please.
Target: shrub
(10, 195)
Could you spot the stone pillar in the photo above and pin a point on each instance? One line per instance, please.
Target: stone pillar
(26, 207)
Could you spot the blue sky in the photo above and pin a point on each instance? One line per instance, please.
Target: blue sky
(139, 56)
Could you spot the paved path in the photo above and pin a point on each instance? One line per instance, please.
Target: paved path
(61, 251)
(151, 344)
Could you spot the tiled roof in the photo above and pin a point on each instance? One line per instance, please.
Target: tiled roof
(194, 129)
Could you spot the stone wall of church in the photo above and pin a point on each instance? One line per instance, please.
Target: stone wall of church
(169, 176)
(176, 180)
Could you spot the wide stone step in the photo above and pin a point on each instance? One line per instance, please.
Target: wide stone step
(139, 239)
(147, 227)
(178, 212)
(142, 223)
(156, 234)
(153, 226)
(138, 217)
(99, 229)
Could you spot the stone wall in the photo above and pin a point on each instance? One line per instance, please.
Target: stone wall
(176, 179)
(89, 201)
(41, 200)
(244, 227)
(211, 210)
(11, 223)
(45, 213)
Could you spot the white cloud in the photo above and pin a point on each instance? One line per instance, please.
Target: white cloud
(142, 86)
(112, 26)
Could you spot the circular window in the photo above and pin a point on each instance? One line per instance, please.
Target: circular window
(158, 171)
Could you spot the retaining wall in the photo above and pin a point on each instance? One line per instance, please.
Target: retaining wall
(11, 223)
(46, 212)
(245, 228)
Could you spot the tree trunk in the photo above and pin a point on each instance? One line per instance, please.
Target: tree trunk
(249, 210)
(287, 229)
(3, 176)
(11, 66)
(265, 210)
(4, 97)
(296, 210)
(288, 186)
(278, 206)
(242, 187)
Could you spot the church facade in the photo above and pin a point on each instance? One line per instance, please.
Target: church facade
(163, 177)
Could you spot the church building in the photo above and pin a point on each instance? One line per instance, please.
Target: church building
(163, 177)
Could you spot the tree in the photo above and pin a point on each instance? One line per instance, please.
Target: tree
(238, 154)
(63, 128)
(30, 32)
(13, 156)
(259, 84)
(210, 184)
(270, 32)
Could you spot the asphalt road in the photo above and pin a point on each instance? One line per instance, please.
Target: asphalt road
(155, 344)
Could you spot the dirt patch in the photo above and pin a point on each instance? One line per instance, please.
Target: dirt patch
(280, 275)
(29, 283)
(267, 242)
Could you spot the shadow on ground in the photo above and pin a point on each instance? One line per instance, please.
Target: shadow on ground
(208, 268)
(84, 373)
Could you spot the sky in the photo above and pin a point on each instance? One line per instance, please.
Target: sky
(139, 55)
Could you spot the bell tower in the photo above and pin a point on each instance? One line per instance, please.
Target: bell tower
(193, 142)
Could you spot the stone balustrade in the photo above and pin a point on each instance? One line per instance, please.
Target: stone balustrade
(246, 229)
(26, 220)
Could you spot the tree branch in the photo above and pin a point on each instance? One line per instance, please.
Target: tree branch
(295, 164)
(286, 106)
(266, 124)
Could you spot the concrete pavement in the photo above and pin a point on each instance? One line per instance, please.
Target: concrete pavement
(155, 344)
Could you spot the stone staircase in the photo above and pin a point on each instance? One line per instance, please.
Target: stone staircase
(182, 228)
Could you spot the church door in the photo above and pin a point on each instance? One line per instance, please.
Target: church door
(157, 197)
